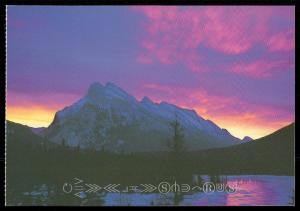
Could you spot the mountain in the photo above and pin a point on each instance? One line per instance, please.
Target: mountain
(108, 118)
(246, 139)
(37, 130)
(274, 153)
(281, 140)
(22, 136)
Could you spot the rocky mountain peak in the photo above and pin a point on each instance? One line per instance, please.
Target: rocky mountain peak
(247, 138)
(95, 88)
(146, 100)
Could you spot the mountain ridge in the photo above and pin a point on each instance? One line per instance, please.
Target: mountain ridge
(107, 115)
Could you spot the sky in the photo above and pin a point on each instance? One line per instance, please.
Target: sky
(234, 65)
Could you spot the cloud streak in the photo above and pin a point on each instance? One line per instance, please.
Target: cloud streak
(261, 68)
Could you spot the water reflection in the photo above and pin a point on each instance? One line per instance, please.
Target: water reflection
(261, 190)
(253, 190)
(250, 190)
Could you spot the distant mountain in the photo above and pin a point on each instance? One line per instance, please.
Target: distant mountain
(110, 119)
(23, 136)
(274, 153)
(281, 140)
(246, 139)
(37, 130)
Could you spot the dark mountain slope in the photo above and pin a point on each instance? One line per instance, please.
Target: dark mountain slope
(273, 153)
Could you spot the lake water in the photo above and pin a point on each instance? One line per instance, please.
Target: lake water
(249, 190)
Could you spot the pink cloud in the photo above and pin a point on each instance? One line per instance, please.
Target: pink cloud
(168, 31)
(260, 68)
(230, 30)
(174, 34)
(283, 41)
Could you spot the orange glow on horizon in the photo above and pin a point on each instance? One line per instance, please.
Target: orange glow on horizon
(245, 124)
(239, 126)
(34, 116)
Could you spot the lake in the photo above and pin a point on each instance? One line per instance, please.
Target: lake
(248, 190)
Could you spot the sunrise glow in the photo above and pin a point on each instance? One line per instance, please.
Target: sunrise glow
(211, 59)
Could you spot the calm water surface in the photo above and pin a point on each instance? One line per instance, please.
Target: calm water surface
(250, 190)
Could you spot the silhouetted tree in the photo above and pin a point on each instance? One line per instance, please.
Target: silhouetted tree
(102, 148)
(63, 143)
(176, 146)
(78, 148)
